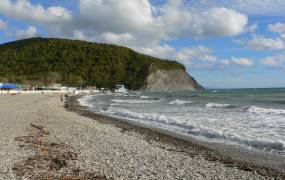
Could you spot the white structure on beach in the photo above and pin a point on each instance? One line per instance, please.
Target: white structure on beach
(120, 89)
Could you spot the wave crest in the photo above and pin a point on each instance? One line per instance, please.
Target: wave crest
(259, 110)
(207, 133)
(144, 97)
(134, 101)
(216, 105)
(85, 101)
(180, 102)
(142, 116)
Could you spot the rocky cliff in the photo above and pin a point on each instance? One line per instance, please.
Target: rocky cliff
(171, 80)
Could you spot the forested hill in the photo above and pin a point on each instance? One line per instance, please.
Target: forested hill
(77, 63)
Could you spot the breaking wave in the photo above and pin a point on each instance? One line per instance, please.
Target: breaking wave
(134, 101)
(259, 110)
(180, 102)
(264, 145)
(85, 101)
(216, 105)
(211, 134)
(142, 116)
(144, 97)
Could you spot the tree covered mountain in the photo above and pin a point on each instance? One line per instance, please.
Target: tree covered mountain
(77, 63)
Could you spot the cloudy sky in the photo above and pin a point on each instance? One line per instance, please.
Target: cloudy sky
(222, 43)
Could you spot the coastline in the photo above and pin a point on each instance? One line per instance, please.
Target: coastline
(40, 135)
(263, 163)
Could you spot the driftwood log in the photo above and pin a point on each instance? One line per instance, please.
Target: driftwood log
(41, 128)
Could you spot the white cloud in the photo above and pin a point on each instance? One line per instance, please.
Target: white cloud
(180, 22)
(264, 43)
(242, 61)
(172, 21)
(79, 35)
(251, 7)
(123, 39)
(232, 24)
(201, 57)
(252, 27)
(196, 57)
(277, 61)
(209, 58)
(163, 51)
(189, 53)
(3, 25)
(225, 62)
(26, 33)
(193, 56)
(260, 43)
(24, 10)
(116, 16)
(277, 27)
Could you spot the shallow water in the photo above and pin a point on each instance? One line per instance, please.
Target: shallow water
(252, 118)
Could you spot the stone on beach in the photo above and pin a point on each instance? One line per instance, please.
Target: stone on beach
(103, 149)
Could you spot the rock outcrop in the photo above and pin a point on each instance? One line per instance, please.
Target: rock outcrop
(173, 80)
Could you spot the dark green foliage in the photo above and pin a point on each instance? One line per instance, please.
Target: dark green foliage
(76, 63)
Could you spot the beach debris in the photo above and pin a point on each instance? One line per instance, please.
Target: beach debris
(50, 160)
(41, 128)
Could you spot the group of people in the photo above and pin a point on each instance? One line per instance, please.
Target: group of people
(65, 97)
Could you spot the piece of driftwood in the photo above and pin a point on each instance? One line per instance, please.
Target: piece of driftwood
(41, 128)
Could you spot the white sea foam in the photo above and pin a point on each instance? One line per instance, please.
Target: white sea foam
(180, 102)
(134, 101)
(85, 101)
(259, 110)
(144, 97)
(203, 132)
(216, 105)
(267, 145)
(142, 116)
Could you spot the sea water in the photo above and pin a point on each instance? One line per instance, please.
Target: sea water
(252, 118)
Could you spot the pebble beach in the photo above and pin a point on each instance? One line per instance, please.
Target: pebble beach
(103, 150)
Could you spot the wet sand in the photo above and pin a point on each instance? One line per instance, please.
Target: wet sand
(102, 147)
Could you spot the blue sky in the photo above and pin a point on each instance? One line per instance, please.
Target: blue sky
(222, 43)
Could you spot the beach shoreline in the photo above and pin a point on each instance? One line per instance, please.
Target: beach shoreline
(264, 163)
(100, 146)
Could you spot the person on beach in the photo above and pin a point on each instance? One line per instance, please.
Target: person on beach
(61, 98)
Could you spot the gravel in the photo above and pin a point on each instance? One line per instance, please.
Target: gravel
(103, 148)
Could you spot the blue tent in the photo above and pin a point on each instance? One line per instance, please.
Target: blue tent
(8, 86)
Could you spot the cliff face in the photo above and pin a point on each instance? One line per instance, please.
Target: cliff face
(173, 80)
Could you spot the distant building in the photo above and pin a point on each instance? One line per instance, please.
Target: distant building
(8, 86)
(91, 88)
(55, 87)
